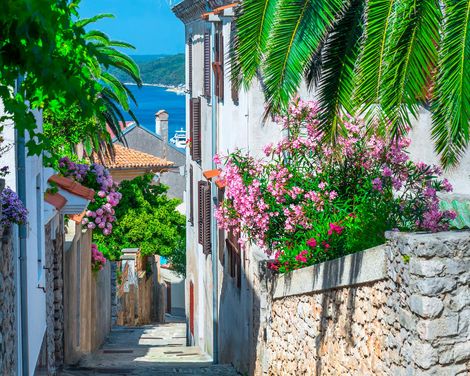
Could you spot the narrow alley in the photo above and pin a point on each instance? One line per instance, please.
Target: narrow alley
(158, 349)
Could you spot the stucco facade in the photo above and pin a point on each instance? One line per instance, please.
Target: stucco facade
(234, 121)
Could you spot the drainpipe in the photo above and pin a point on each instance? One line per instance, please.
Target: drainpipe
(214, 240)
(21, 191)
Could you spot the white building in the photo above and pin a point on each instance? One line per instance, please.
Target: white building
(35, 268)
(219, 119)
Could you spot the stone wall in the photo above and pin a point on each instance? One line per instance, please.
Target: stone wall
(401, 309)
(54, 237)
(8, 323)
(87, 297)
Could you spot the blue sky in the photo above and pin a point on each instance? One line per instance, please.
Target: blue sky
(147, 24)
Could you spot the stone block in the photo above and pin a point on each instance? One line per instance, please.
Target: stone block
(426, 307)
(424, 355)
(434, 286)
(446, 355)
(462, 352)
(406, 319)
(429, 330)
(460, 300)
(453, 267)
(426, 268)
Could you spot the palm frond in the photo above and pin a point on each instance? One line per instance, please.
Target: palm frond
(338, 66)
(374, 53)
(451, 105)
(413, 57)
(254, 19)
(298, 30)
(86, 21)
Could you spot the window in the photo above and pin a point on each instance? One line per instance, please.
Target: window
(191, 195)
(234, 85)
(195, 128)
(218, 65)
(234, 257)
(204, 216)
(207, 64)
(190, 66)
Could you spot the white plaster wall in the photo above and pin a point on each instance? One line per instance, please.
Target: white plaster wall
(8, 159)
(35, 246)
(177, 287)
(422, 149)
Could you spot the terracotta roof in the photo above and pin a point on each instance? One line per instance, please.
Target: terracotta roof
(55, 199)
(220, 183)
(77, 217)
(223, 7)
(206, 15)
(130, 158)
(72, 186)
(209, 174)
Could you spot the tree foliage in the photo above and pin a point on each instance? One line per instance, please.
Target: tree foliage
(147, 219)
(49, 61)
(380, 58)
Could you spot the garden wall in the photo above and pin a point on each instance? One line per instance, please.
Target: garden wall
(87, 297)
(400, 309)
(8, 320)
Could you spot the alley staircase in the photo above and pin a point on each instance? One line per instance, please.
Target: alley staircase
(158, 350)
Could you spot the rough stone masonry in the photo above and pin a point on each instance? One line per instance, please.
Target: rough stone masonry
(414, 320)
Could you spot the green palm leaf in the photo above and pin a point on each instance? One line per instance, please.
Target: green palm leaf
(451, 106)
(338, 66)
(375, 50)
(86, 21)
(299, 28)
(254, 21)
(414, 56)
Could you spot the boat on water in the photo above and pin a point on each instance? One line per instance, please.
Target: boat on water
(179, 139)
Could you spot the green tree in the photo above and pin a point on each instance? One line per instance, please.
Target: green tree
(383, 58)
(147, 219)
(55, 64)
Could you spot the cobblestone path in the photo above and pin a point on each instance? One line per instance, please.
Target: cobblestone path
(149, 350)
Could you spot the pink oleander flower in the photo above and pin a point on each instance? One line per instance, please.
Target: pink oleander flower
(312, 243)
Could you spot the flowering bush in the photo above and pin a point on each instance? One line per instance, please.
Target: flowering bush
(100, 211)
(97, 259)
(13, 210)
(308, 201)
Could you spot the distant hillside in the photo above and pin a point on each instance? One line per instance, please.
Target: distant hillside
(156, 69)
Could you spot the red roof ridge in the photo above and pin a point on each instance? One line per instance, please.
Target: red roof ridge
(72, 187)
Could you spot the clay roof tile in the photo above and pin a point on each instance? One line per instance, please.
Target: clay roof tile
(129, 158)
(72, 187)
(55, 199)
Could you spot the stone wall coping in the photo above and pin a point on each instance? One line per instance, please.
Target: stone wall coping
(355, 269)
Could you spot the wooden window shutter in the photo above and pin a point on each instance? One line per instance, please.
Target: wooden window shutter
(221, 66)
(191, 126)
(191, 195)
(190, 66)
(218, 64)
(196, 130)
(191, 307)
(234, 87)
(207, 241)
(200, 211)
(207, 64)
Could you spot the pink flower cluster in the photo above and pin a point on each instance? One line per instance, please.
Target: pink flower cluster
(97, 259)
(304, 186)
(100, 212)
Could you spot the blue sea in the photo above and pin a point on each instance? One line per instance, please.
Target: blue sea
(151, 99)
